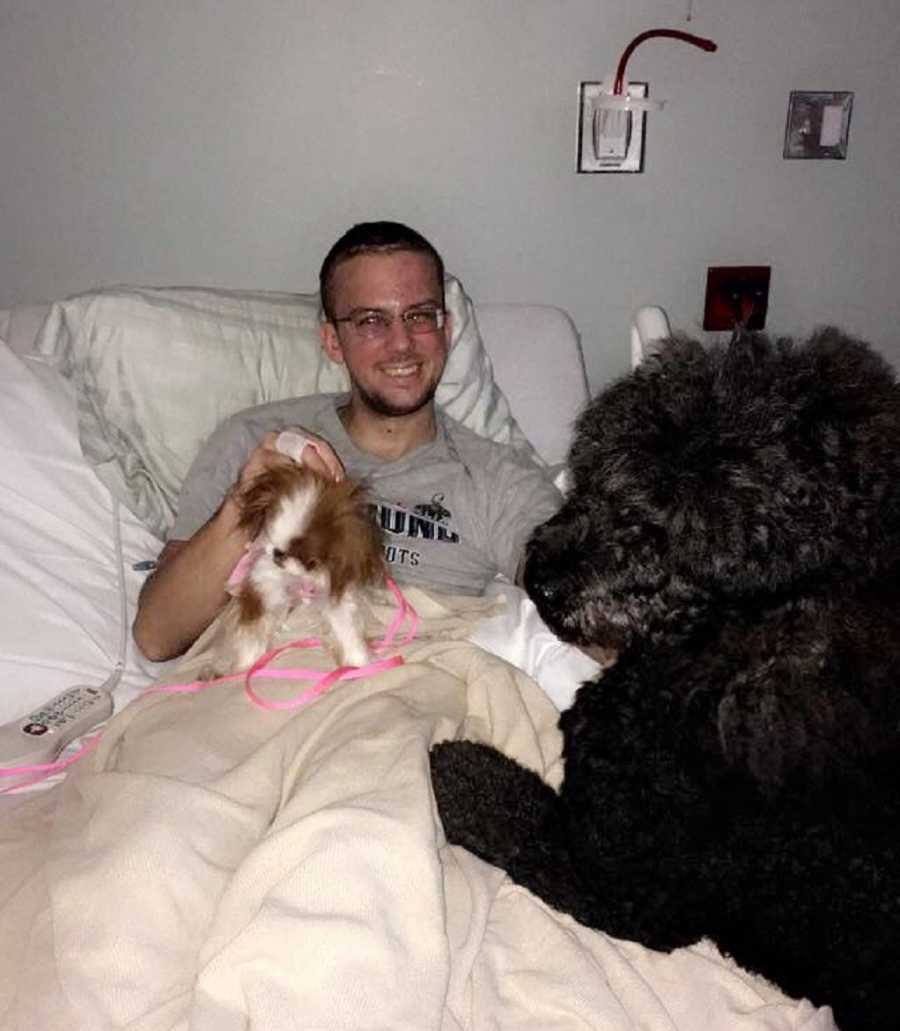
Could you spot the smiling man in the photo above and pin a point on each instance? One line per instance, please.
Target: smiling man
(456, 509)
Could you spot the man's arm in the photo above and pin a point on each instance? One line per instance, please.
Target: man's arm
(187, 590)
(522, 498)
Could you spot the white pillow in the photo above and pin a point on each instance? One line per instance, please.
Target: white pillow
(468, 391)
(60, 604)
(156, 370)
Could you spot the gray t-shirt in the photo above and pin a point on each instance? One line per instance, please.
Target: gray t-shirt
(455, 512)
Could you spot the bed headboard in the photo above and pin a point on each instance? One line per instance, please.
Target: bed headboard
(536, 354)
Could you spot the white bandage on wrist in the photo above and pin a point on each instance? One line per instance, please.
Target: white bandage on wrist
(291, 443)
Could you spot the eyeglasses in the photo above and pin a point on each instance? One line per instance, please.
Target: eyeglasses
(375, 324)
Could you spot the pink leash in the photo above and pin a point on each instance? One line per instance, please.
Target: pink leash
(322, 682)
(45, 770)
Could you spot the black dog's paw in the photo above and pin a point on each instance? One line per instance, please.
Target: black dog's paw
(488, 803)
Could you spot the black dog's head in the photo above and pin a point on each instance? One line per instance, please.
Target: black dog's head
(712, 478)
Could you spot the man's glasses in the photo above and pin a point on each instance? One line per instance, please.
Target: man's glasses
(375, 324)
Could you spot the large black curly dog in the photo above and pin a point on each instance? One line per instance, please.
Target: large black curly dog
(733, 531)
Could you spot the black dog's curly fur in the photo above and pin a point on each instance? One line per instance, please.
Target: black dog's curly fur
(733, 531)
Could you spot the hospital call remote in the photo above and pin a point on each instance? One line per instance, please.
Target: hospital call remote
(40, 736)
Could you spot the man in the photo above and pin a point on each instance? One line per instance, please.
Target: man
(456, 509)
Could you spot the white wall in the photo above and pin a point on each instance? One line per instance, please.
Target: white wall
(226, 142)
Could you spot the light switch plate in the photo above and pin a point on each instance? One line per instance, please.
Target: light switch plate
(591, 158)
(818, 124)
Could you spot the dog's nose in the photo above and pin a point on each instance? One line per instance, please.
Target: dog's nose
(543, 560)
(537, 579)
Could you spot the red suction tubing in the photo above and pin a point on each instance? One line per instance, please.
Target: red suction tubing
(687, 37)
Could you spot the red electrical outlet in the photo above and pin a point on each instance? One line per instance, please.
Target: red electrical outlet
(736, 295)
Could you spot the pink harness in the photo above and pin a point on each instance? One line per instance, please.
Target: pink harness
(321, 683)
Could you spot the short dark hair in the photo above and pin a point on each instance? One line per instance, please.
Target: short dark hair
(372, 238)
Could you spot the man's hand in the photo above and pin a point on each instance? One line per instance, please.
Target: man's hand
(187, 591)
(305, 449)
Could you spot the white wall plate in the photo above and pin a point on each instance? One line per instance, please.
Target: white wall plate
(610, 135)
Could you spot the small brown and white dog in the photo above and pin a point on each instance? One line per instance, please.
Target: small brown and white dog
(313, 544)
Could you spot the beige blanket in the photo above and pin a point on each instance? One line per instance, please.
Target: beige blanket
(214, 866)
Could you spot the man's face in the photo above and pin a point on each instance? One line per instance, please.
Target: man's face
(398, 372)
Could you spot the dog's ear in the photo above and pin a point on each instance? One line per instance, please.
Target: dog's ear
(367, 557)
(257, 499)
(359, 557)
(343, 534)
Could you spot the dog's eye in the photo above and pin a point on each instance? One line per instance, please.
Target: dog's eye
(312, 563)
(278, 556)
